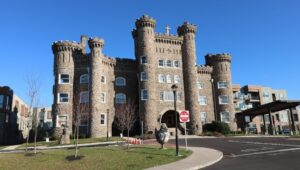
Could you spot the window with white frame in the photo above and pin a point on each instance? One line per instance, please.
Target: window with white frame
(202, 100)
(200, 84)
(120, 98)
(161, 96)
(144, 94)
(102, 119)
(64, 78)
(176, 64)
(176, 79)
(266, 95)
(169, 63)
(168, 96)
(63, 120)
(120, 81)
(63, 97)
(169, 79)
(103, 97)
(203, 117)
(144, 76)
(144, 60)
(225, 117)
(84, 97)
(84, 78)
(223, 99)
(103, 79)
(222, 84)
(161, 63)
(161, 78)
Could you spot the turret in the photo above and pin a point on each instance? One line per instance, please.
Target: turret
(64, 53)
(144, 39)
(96, 45)
(221, 76)
(187, 31)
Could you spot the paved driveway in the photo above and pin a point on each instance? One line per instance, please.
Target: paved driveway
(253, 153)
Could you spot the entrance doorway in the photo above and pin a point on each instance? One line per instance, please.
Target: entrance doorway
(169, 119)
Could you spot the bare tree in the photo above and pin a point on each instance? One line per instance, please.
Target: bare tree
(33, 84)
(80, 112)
(125, 116)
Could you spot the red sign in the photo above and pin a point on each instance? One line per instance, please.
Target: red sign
(184, 116)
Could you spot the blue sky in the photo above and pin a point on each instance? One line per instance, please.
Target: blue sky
(261, 35)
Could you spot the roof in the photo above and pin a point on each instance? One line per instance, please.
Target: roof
(270, 107)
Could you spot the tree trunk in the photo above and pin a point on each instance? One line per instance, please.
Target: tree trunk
(128, 139)
(35, 133)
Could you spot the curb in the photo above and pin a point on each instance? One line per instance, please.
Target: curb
(209, 163)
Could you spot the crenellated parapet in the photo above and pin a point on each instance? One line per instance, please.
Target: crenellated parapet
(145, 21)
(96, 42)
(65, 46)
(168, 39)
(204, 69)
(186, 28)
(210, 58)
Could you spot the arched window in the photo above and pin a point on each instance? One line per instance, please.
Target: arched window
(120, 98)
(176, 79)
(120, 81)
(169, 79)
(84, 78)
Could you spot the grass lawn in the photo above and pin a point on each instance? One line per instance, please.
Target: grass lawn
(84, 140)
(116, 157)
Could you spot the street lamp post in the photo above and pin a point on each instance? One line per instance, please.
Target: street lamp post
(174, 88)
(107, 123)
(214, 100)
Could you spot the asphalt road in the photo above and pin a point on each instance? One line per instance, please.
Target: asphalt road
(253, 153)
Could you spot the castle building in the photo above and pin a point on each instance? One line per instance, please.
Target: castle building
(99, 83)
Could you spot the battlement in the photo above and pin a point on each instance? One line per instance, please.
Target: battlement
(186, 28)
(210, 58)
(168, 39)
(65, 46)
(145, 21)
(113, 61)
(204, 69)
(96, 42)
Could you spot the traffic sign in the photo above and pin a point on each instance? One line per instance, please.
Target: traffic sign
(184, 116)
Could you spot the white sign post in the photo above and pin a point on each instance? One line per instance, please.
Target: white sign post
(184, 117)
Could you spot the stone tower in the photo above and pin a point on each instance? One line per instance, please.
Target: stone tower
(221, 76)
(144, 38)
(96, 46)
(64, 53)
(187, 31)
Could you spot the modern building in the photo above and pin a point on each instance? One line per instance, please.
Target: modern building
(14, 117)
(102, 83)
(252, 96)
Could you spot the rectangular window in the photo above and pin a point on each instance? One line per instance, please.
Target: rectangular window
(103, 97)
(176, 79)
(63, 120)
(296, 117)
(144, 94)
(176, 63)
(169, 63)
(168, 96)
(266, 95)
(202, 100)
(144, 76)
(223, 99)
(222, 85)
(103, 79)
(84, 97)
(64, 79)
(161, 96)
(225, 117)
(200, 84)
(102, 119)
(1, 101)
(161, 63)
(203, 117)
(144, 60)
(161, 78)
(169, 79)
(63, 97)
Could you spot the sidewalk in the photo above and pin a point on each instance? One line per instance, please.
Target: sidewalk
(200, 158)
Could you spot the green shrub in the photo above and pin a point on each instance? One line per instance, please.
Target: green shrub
(217, 126)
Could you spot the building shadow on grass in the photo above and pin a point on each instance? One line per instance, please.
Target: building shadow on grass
(33, 154)
(72, 158)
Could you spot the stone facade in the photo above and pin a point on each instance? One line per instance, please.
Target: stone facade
(161, 60)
